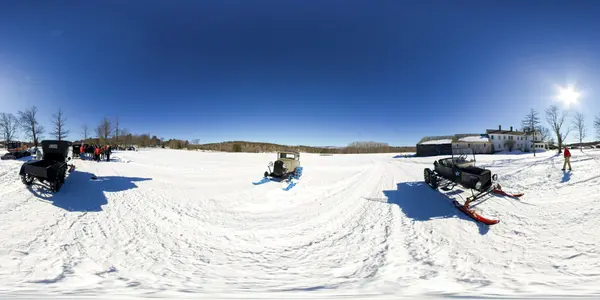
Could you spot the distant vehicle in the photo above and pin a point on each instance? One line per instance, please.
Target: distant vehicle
(77, 149)
(16, 150)
(286, 166)
(53, 166)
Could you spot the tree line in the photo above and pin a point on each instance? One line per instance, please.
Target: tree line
(559, 126)
(110, 131)
(258, 147)
(27, 122)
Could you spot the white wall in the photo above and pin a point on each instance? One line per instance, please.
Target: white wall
(522, 142)
(478, 148)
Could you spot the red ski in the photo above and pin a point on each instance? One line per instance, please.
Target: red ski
(475, 216)
(498, 190)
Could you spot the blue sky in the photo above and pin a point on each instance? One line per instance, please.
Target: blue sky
(298, 72)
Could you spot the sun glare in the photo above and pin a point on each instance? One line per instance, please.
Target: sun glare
(568, 95)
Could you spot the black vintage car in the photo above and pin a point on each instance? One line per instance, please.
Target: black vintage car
(461, 170)
(53, 166)
(448, 172)
(76, 149)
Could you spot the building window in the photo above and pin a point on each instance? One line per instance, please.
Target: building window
(492, 137)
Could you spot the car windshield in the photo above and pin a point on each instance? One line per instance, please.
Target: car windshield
(287, 155)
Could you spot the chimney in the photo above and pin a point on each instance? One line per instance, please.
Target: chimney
(510, 128)
(499, 127)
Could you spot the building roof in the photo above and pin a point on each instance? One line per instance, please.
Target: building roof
(471, 138)
(512, 132)
(457, 138)
(436, 140)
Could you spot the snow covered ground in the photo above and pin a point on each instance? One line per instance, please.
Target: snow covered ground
(187, 224)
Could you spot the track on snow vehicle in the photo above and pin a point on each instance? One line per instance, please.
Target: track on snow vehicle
(51, 168)
(460, 169)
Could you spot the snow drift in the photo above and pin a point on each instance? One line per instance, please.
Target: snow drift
(182, 224)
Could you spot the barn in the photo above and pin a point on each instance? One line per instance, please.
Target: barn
(435, 145)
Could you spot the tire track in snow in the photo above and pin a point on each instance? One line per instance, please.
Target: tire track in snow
(296, 258)
(423, 247)
(323, 235)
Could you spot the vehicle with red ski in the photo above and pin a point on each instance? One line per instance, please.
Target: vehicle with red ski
(459, 170)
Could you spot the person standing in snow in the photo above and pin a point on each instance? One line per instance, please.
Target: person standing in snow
(82, 152)
(97, 153)
(567, 155)
(108, 152)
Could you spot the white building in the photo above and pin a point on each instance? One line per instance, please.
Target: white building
(507, 140)
(478, 143)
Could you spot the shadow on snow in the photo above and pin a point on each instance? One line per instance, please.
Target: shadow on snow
(80, 193)
(566, 176)
(421, 203)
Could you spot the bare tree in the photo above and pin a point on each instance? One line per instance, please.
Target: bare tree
(127, 136)
(59, 120)
(8, 125)
(579, 125)
(555, 119)
(86, 132)
(30, 125)
(104, 130)
(530, 124)
(117, 129)
(196, 142)
(544, 133)
(597, 126)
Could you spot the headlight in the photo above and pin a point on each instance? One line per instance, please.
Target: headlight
(478, 185)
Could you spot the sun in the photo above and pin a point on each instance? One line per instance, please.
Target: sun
(568, 95)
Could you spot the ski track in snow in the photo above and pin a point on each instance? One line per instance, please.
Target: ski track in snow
(183, 223)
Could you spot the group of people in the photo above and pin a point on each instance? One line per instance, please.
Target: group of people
(98, 152)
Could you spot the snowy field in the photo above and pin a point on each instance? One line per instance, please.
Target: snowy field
(184, 224)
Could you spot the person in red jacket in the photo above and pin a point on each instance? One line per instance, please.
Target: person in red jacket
(567, 155)
(97, 153)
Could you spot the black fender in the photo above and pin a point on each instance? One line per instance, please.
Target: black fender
(22, 171)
